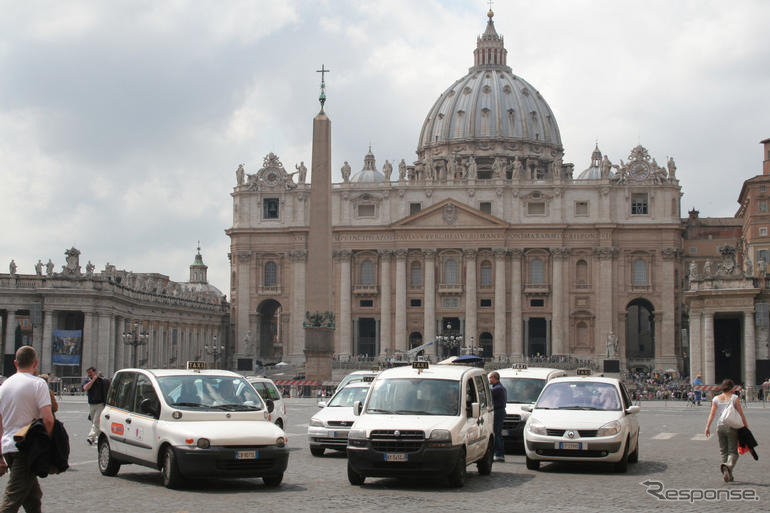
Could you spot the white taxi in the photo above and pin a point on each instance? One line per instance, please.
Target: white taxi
(356, 376)
(266, 389)
(423, 421)
(328, 429)
(583, 418)
(523, 385)
(190, 424)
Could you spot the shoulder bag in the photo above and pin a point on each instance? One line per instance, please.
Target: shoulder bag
(730, 416)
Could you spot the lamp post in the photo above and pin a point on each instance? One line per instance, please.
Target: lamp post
(448, 341)
(135, 338)
(470, 349)
(214, 350)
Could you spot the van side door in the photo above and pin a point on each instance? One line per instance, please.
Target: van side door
(115, 417)
(140, 433)
(472, 428)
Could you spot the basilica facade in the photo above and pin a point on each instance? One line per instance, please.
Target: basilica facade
(488, 235)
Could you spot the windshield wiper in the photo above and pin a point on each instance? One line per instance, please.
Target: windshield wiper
(592, 408)
(235, 407)
(412, 412)
(199, 405)
(378, 410)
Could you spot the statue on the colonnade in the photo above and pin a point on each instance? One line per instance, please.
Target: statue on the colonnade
(49, 268)
(12, 268)
(39, 267)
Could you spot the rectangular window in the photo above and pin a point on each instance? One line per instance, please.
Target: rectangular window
(450, 302)
(535, 208)
(365, 210)
(485, 303)
(486, 207)
(762, 255)
(581, 208)
(537, 303)
(693, 251)
(415, 303)
(763, 205)
(639, 204)
(414, 208)
(270, 208)
(762, 188)
(763, 231)
(366, 303)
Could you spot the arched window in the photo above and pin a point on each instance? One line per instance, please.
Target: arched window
(367, 272)
(415, 275)
(450, 272)
(581, 272)
(537, 272)
(486, 274)
(415, 339)
(640, 272)
(271, 274)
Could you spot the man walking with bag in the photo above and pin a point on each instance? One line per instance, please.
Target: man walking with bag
(23, 399)
(96, 387)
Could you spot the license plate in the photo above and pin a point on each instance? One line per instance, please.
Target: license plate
(246, 455)
(395, 457)
(574, 446)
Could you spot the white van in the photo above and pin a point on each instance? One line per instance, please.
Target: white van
(523, 385)
(356, 376)
(266, 389)
(423, 420)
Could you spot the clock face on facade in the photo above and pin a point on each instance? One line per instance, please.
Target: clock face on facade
(639, 171)
(271, 178)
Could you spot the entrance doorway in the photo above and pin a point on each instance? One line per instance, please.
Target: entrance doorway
(640, 330)
(537, 340)
(485, 341)
(269, 346)
(727, 349)
(450, 327)
(367, 337)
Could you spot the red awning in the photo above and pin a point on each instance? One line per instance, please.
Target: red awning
(713, 388)
(297, 382)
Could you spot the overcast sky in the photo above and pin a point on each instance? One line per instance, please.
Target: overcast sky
(122, 123)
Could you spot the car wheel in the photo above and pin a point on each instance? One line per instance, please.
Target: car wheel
(354, 477)
(622, 465)
(273, 480)
(170, 470)
(108, 465)
(457, 475)
(484, 465)
(533, 464)
(317, 451)
(634, 456)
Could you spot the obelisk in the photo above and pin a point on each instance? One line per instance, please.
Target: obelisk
(319, 322)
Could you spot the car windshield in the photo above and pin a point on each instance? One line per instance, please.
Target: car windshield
(522, 390)
(353, 378)
(414, 396)
(348, 395)
(582, 395)
(200, 391)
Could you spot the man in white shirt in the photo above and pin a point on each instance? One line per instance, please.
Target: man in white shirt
(23, 398)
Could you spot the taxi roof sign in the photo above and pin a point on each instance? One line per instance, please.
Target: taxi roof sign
(520, 366)
(584, 372)
(420, 365)
(196, 366)
(368, 379)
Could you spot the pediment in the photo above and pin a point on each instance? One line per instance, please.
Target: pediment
(450, 214)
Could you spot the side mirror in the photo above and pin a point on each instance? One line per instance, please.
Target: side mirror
(322, 404)
(527, 407)
(358, 407)
(475, 410)
(633, 409)
(150, 407)
(270, 405)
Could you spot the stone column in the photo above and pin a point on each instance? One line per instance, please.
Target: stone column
(749, 350)
(10, 334)
(46, 352)
(709, 371)
(605, 309)
(517, 340)
(400, 335)
(297, 332)
(429, 309)
(667, 343)
(90, 342)
(470, 296)
(558, 333)
(386, 333)
(243, 336)
(500, 346)
(344, 322)
(696, 345)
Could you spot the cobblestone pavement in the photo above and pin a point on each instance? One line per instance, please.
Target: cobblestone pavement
(673, 452)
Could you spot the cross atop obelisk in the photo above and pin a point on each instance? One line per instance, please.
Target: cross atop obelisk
(322, 97)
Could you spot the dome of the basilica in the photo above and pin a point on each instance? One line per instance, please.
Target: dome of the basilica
(369, 173)
(489, 103)
(594, 171)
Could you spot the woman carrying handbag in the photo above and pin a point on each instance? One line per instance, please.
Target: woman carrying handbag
(727, 408)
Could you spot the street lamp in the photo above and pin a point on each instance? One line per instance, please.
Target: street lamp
(449, 342)
(470, 349)
(135, 338)
(214, 350)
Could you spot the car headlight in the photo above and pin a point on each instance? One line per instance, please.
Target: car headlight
(357, 434)
(280, 441)
(536, 427)
(316, 423)
(440, 435)
(610, 428)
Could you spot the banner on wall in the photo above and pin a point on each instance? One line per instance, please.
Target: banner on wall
(67, 346)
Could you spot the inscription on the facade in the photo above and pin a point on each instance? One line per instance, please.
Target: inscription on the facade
(470, 235)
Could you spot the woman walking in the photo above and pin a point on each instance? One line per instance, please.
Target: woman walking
(728, 436)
